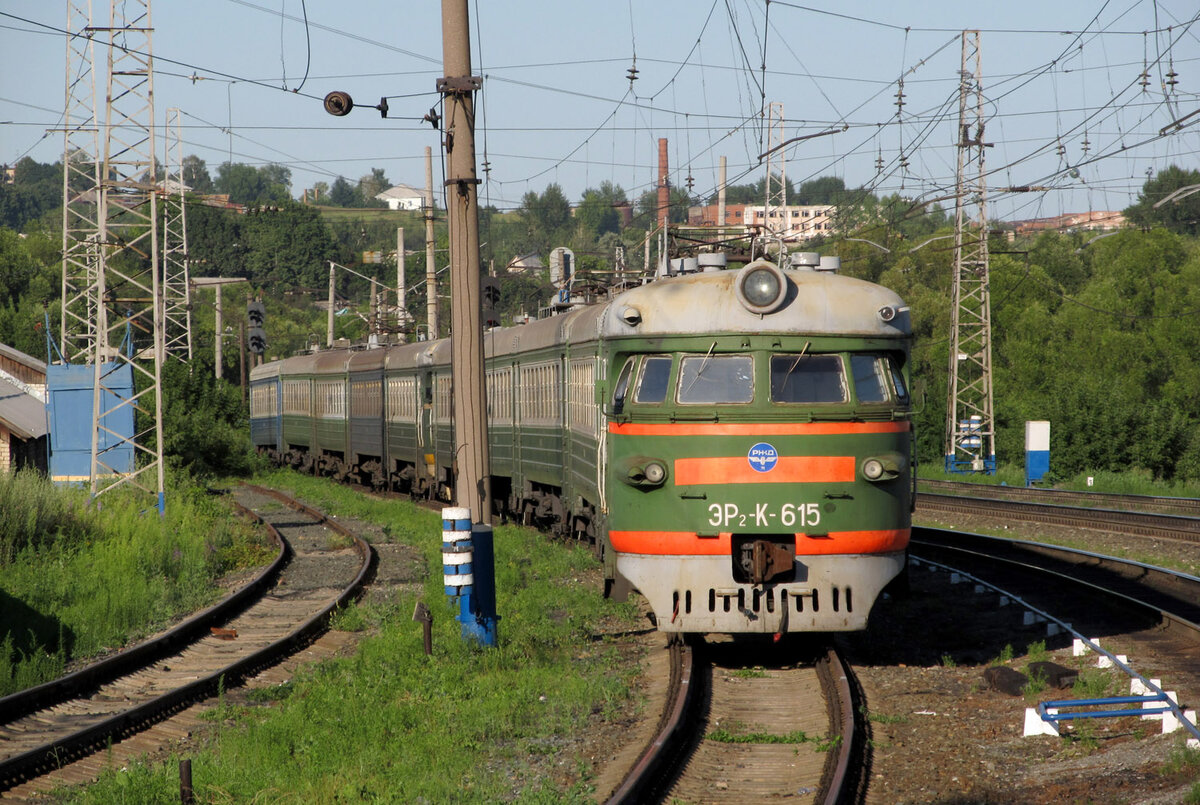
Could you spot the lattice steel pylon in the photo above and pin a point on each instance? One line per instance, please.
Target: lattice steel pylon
(81, 193)
(129, 333)
(970, 425)
(775, 212)
(176, 288)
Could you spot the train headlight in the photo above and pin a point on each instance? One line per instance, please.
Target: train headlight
(761, 287)
(642, 471)
(883, 468)
(872, 469)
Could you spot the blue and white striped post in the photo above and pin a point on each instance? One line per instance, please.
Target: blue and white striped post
(468, 573)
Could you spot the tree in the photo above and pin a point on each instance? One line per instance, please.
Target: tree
(597, 214)
(245, 184)
(678, 199)
(195, 174)
(1180, 215)
(36, 189)
(546, 217)
(372, 185)
(344, 194)
(824, 190)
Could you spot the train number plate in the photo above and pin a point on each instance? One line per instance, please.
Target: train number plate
(764, 515)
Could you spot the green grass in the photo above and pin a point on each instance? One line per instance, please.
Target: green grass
(748, 673)
(389, 724)
(1093, 683)
(76, 581)
(1005, 656)
(725, 736)
(1036, 651)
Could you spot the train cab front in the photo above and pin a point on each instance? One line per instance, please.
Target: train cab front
(760, 482)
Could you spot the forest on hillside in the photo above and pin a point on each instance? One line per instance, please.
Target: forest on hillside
(1098, 335)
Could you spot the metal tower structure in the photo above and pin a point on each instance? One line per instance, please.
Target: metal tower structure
(970, 425)
(81, 194)
(775, 212)
(129, 339)
(177, 295)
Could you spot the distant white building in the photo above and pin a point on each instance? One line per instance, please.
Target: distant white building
(401, 197)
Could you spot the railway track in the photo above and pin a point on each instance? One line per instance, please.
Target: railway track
(1186, 507)
(1171, 597)
(1160, 526)
(1088, 593)
(320, 566)
(740, 727)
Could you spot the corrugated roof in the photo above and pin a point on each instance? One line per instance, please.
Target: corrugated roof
(21, 413)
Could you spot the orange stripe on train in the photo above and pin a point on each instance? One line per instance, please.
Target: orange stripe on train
(756, 429)
(688, 543)
(787, 470)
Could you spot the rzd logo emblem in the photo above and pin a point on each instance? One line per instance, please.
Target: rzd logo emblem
(763, 457)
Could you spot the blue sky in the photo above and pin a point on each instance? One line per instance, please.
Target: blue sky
(557, 105)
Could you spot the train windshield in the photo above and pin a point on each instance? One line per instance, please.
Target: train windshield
(807, 379)
(712, 379)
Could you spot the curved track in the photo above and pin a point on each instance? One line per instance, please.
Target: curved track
(283, 609)
(1171, 596)
(789, 730)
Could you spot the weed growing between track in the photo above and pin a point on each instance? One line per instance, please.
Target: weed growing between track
(76, 581)
(389, 724)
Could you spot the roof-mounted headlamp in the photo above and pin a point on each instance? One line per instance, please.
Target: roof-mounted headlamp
(761, 287)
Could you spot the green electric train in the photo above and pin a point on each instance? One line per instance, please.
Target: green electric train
(737, 444)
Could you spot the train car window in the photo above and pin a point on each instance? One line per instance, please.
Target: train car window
(807, 379)
(716, 379)
(870, 385)
(652, 385)
(898, 380)
(622, 387)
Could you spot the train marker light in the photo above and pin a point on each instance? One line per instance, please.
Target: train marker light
(644, 472)
(761, 287)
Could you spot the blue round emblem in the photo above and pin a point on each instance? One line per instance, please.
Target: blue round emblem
(763, 457)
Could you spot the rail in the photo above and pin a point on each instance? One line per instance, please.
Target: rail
(61, 750)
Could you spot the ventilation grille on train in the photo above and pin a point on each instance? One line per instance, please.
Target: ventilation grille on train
(755, 600)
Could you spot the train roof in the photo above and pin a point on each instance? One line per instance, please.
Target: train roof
(367, 360)
(817, 303)
(297, 364)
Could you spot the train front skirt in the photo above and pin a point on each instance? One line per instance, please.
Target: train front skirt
(830, 593)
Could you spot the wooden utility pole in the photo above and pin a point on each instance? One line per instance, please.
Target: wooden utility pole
(473, 484)
(431, 300)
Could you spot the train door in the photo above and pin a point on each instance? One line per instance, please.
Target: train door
(425, 466)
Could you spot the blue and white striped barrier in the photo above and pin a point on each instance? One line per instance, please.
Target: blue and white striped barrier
(458, 551)
(468, 573)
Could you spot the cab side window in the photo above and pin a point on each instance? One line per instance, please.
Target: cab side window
(870, 385)
(622, 387)
(652, 385)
